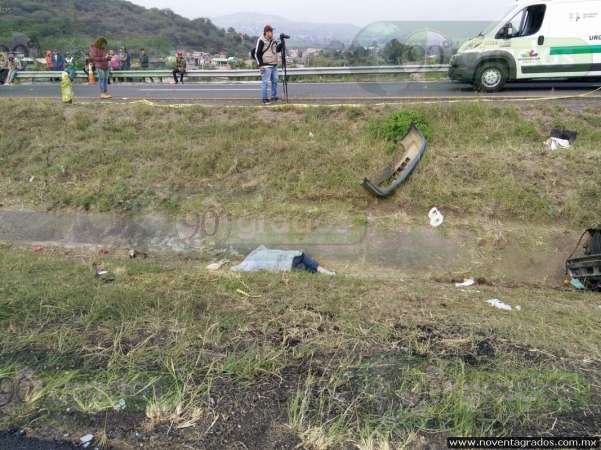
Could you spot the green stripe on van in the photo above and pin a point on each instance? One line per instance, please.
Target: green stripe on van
(576, 50)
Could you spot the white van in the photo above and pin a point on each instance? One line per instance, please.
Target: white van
(537, 39)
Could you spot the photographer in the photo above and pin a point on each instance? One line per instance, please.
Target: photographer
(266, 55)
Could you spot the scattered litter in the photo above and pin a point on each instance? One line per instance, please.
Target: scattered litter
(466, 283)
(31, 178)
(86, 440)
(269, 260)
(218, 265)
(103, 274)
(103, 252)
(436, 217)
(561, 138)
(555, 143)
(577, 284)
(414, 146)
(120, 405)
(500, 305)
(311, 135)
(518, 308)
(133, 254)
(37, 248)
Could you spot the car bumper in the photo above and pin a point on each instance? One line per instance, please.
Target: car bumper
(462, 68)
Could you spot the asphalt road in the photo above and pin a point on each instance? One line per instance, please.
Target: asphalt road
(332, 92)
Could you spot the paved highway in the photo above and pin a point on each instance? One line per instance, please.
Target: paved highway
(333, 92)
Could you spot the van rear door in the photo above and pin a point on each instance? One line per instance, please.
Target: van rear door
(574, 40)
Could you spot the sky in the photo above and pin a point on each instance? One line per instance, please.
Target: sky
(357, 12)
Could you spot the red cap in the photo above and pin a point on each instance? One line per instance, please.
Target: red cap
(267, 28)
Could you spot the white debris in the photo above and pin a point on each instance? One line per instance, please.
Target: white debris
(86, 440)
(218, 265)
(555, 143)
(311, 135)
(466, 283)
(518, 308)
(120, 405)
(436, 217)
(500, 305)
(31, 179)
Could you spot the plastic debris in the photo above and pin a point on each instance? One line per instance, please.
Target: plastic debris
(577, 284)
(120, 405)
(103, 252)
(468, 282)
(412, 149)
(86, 440)
(134, 254)
(37, 248)
(555, 143)
(103, 274)
(436, 217)
(500, 305)
(311, 135)
(218, 265)
(270, 260)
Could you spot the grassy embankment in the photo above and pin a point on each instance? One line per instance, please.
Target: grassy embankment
(215, 359)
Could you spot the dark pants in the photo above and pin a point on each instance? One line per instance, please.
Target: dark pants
(3, 75)
(181, 75)
(305, 262)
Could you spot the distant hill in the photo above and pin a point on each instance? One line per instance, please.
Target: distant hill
(304, 34)
(72, 24)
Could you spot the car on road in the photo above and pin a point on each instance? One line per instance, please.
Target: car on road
(535, 40)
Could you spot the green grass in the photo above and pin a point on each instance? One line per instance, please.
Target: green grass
(482, 160)
(357, 360)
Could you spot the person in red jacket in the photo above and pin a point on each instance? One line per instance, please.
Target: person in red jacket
(49, 60)
(100, 58)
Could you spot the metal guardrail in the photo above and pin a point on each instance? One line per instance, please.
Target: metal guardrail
(249, 73)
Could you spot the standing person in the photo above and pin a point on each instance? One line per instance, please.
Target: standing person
(125, 59)
(143, 59)
(266, 55)
(115, 62)
(144, 63)
(49, 60)
(3, 68)
(59, 61)
(13, 66)
(180, 67)
(100, 58)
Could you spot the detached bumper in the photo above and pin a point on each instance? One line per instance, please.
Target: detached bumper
(463, 67)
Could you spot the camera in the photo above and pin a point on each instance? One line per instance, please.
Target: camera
(284, 36)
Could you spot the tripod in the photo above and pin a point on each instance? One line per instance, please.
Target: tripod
(283, 38)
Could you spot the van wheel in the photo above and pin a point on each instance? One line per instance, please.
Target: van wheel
(491, 77)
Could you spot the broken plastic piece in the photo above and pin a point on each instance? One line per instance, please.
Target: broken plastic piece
(414, 147)
(577, 284)
(584, 264)
(555, 143)
(218, 265)
(500, 305)
(436, 217)
(467, 283)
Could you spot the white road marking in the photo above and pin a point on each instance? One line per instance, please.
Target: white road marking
(197, 90)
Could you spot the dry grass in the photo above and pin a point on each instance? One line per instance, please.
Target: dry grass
(483, 160)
